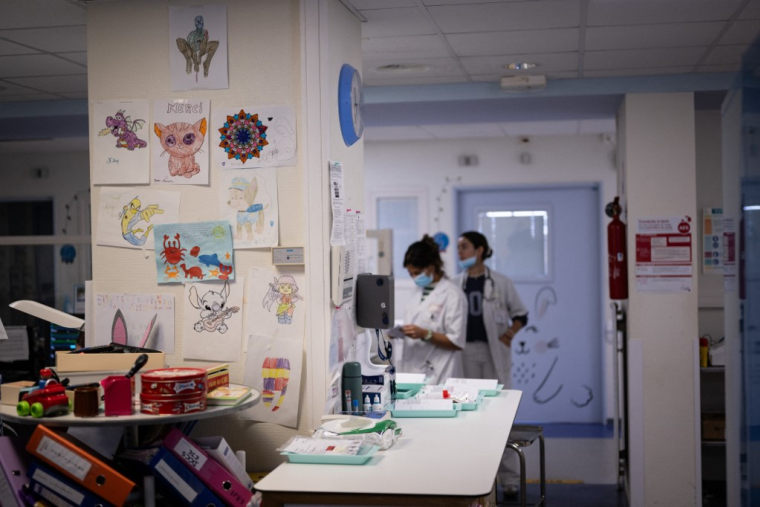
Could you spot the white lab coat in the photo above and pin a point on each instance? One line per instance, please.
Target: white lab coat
(501, 303)
(444, 311)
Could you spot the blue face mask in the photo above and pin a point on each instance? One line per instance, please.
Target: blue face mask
(423, 279)
(469, 262)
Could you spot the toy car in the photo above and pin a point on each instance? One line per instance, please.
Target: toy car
(48, 401)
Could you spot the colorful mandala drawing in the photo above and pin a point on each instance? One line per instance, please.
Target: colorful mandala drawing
(243, 136)
(276, 372)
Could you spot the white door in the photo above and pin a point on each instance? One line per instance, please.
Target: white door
(547, 241)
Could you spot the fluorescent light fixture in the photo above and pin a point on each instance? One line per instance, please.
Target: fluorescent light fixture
(751, 208)
(402, 68)
(516, 214)
(520, 66)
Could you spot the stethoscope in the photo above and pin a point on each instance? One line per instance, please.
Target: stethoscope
(488, 279)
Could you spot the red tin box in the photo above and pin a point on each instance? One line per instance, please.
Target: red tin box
(174, 382)
(162, 404)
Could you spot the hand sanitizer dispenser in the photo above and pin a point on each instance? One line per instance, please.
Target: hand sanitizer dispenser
(375, 377)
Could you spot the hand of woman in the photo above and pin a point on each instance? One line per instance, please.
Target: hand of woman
(413, 331)
(506, 338)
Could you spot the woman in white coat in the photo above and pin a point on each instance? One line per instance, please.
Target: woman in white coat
(436, 320)
(495, 315)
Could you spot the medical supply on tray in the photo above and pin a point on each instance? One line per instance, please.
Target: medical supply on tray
(324, 446)
(376, 428)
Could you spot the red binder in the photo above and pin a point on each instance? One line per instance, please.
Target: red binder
(219, 480)
(80, 463)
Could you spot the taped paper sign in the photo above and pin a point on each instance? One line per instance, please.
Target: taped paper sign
(137, 320)
(213, 320)
(179, 147)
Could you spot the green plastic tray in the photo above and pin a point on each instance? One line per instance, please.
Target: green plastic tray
(400, 414)
(411, 385)
(403, 394)
(327, 459)
(492, 392)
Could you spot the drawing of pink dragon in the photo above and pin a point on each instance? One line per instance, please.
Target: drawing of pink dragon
(123, 128)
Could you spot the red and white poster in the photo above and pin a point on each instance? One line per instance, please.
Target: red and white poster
(730, 249)
(664, 262)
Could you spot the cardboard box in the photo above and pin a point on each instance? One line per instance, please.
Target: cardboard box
(77, 362)
(713, 426)
(9, 392)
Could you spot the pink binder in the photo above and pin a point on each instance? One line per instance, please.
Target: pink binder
(13, 464)
(220, 481)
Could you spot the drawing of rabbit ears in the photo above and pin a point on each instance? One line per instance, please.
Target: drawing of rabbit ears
(119, 333)
(545, 298)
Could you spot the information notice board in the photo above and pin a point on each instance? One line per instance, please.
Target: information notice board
(664, 255)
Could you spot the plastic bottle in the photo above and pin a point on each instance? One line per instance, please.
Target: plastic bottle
(355, 408)
(352, 381)
(376, 406)
(367, 404)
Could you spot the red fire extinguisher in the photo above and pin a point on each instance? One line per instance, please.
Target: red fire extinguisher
(616, 252)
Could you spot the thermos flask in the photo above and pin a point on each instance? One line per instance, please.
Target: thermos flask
(352, 385)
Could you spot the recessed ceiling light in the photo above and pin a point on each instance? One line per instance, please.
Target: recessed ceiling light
(520, 66)
(402, 68)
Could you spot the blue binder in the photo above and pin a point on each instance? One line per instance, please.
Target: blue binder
(59, 490)
(186, 487)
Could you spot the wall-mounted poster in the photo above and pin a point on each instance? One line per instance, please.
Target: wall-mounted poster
(120, 142)
(213, 320)
(273, 367)
(248, 199)
(198, 47)
(276, 302)
(179, 144)
(194, 252)
(127, 215)
(253, 136)
(138, 320)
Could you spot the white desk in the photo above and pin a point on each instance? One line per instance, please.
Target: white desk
(448, 461)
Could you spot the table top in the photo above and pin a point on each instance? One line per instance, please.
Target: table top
(8, 413)
(456, 456)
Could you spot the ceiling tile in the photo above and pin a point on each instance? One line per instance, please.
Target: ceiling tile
(396, 22)
(9, 48)
(36, 65)
(546, 63)
(741, 32)
(507, 16)
(524, 41)
(16, 14)
(68, 38)
(649, 71)
(80, 58)
(540, 128)
(751, 11)
(400, 133)
(418, 80)
(642, 58)
(55, 84)
(597, 126)
(464, 130)
(361, 5)
(606, 13)
(652, 36)
(731, 67)
(723, 55)
(412, 46)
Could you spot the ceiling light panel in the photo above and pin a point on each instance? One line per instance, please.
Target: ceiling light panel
(507, 16)
(495, 64)
(395, 23)
(412, 46)
(652, 36)
(67, 38)
(605, 13)
(642, 58)
(524, 41)
(45, 13)
(36, 65)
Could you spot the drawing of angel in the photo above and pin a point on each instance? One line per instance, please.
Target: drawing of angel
(284, 292)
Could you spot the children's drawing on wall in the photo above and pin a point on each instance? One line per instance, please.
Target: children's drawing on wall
(248, 199)
(213, 320)
(128, 215)
(120, 147)
(276, 302)
(273, 367)
(200, 251)
(179, 152)
(538, 360)
(282, 295)
(137, 320)
(251, 137)
(198, 47)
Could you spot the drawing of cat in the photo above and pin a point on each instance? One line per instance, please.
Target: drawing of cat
(182, 141)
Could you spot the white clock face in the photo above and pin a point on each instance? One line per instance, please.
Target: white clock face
(356, 104)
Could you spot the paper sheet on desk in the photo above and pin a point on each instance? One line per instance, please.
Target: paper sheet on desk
(16, 347)
(423, 404)
(475, 383)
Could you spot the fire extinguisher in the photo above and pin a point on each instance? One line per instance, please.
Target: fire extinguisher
(616, 251)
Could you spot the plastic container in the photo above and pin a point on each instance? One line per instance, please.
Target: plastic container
(324, 459)
(352, 381)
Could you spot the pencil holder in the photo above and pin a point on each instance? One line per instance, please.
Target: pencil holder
(86, 401)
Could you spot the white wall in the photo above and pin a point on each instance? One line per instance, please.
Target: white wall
(432, 168)
(659, 172)
(67, 176)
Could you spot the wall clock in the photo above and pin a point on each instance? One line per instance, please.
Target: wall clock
(350, 104)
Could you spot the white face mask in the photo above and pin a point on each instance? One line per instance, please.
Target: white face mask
(423, 279)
